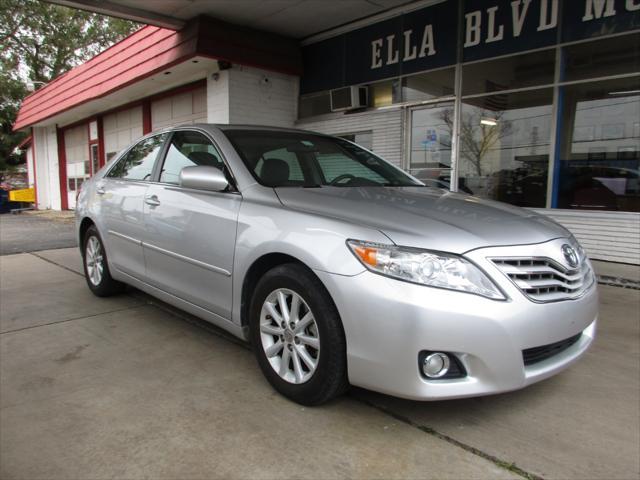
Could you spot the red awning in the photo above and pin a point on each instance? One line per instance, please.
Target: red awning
(150, 50)
(141, 54)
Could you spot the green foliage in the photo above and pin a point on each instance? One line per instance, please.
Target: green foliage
(11, 91)
(38, 42)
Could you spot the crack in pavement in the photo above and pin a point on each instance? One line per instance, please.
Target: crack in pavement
(73, 319)
(509, 466)
(64, 267)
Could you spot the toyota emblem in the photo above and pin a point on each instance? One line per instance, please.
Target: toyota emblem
(570, 255)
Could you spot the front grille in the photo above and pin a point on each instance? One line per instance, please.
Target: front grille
(538, 354)
(544, 280)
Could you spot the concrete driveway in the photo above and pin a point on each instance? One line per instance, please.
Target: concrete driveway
(127, 387)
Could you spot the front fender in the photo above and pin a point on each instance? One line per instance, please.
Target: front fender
(316, 241)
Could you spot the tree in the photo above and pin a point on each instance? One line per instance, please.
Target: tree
(478, 138)
(11, 91)
(38, 42)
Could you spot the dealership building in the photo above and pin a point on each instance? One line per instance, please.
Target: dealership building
(535, 103)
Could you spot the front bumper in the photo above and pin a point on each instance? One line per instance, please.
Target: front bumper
(388, 322)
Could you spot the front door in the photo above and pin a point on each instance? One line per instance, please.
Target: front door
(430, 136)
(190, 235)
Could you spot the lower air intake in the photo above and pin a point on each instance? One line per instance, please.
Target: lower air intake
(538, 354)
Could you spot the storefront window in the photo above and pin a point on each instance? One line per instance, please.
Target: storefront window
(600, 58)
(517, 71)
(599, 157)
(430, 143)
(504, 146)
(427, 86)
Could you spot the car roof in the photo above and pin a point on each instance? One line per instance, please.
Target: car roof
(228, 127)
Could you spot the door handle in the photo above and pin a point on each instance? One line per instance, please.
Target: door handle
(152, 200)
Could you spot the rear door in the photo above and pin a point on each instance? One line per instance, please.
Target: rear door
(190, 235)
(121, 195)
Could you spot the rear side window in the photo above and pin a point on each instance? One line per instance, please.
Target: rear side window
(189, 149)
(137, 163)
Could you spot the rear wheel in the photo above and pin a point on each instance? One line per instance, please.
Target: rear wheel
(297, 335)
(96, 268)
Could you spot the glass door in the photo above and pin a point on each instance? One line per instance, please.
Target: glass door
(95, 160)
(431, 129)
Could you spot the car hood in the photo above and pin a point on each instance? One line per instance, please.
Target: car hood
(423, 217)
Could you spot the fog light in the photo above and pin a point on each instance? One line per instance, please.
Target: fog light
(436, 365)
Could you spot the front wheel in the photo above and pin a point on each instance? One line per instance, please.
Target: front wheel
(297, 335)
(96, 269)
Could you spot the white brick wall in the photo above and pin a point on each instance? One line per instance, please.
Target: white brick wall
(385, 125)
(261, 97)
(252, 96)
(218, 97)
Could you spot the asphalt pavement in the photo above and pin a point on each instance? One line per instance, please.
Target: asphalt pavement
(35, 231)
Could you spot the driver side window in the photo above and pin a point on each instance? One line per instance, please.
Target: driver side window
(188, 149)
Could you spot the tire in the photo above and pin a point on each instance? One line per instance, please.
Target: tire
(300, 383)
(94, 260)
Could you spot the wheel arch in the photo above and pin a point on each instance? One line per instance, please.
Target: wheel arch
(82, 230)
(256, 271)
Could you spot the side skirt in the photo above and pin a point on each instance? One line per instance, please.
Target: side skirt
(189, 307)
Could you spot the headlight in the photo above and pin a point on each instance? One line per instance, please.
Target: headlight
(434, 269)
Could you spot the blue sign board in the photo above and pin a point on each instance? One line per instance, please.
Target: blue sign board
(429, 38)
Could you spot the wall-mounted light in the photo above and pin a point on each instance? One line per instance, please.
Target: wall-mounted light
(491, 122)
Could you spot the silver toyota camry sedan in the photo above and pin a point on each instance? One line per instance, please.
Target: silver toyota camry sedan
(340, 268)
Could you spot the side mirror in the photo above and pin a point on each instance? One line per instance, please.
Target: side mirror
(203, 177)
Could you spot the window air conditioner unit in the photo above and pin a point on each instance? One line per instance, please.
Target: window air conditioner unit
(349, 98)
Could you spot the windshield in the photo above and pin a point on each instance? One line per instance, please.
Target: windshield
(292, 159)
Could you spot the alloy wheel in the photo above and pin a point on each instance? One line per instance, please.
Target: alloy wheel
(289, 336)
(94, 260)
